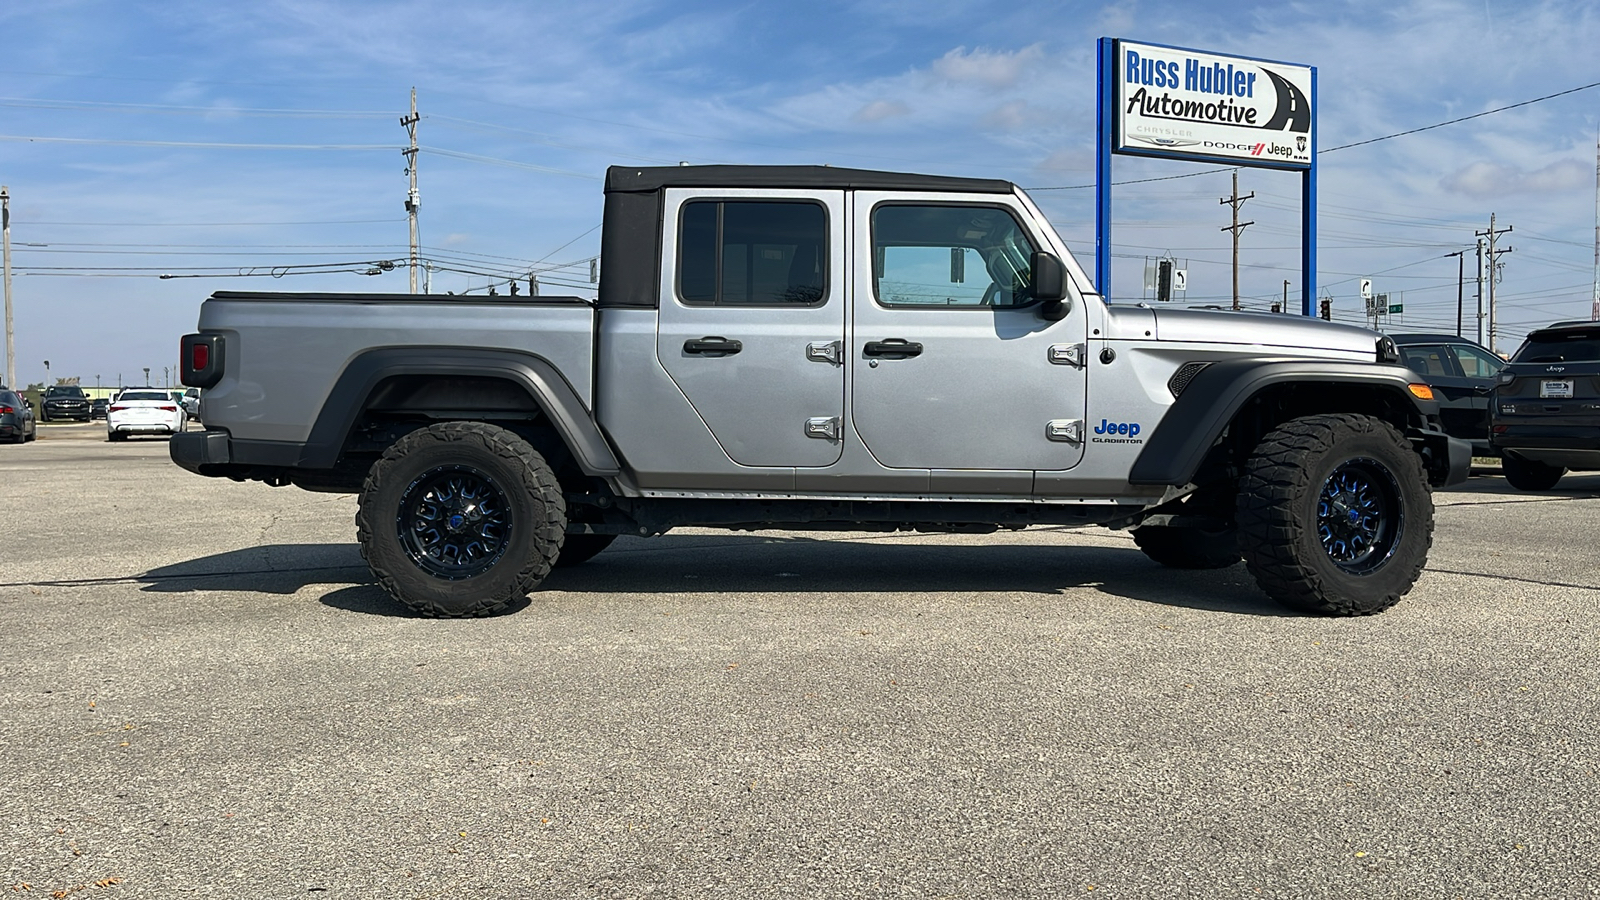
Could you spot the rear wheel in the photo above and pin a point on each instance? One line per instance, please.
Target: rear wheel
(460, 519)
(1528, 475)
(1335, 515)
(1188, 548)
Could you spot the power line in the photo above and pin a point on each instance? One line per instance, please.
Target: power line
(106, 106)
(1489, 112)
(208, 145)
(213, 224)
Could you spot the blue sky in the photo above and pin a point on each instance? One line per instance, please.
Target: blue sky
(141, 138)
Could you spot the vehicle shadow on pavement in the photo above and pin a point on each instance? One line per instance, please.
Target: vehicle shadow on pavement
(765, 564)
(755, 564)
(269, 569)
(1573, 486)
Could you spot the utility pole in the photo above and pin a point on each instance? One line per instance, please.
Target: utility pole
(1493, 255)
(413, 199)
(1286, 295)
(1481, 245)
(1460, 256)
(11, 340)
(1237, 201)
(1594, 308)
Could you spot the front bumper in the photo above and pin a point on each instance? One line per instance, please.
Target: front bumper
(1448, 460)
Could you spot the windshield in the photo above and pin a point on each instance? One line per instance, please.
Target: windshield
(1571, 346)
(143, 395)
(59, 391)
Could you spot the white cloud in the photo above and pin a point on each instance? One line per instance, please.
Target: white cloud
(994, 69)
(1486, 179)
(878, 110)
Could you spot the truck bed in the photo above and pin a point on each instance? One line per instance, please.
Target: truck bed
(293, 346)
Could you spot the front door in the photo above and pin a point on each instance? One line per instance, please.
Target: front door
(952, 365)
(753, 329)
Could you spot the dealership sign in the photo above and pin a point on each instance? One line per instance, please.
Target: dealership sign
(1190, 104)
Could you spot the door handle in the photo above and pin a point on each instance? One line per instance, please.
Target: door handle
(894, 348)
(712, 344)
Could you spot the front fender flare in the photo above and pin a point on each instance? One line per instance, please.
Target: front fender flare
(1175, 450)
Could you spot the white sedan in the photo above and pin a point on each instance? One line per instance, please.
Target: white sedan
(144, 411)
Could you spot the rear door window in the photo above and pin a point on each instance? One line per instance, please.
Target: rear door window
(753, 253)
(1429, 360)
(1476, 363)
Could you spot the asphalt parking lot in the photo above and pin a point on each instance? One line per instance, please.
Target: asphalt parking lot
(204, 693)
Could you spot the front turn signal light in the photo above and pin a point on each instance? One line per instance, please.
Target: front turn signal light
(1421, 391)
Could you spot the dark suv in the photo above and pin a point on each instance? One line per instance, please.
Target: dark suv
(64, 401)
(1462, 374)
(1547, 407)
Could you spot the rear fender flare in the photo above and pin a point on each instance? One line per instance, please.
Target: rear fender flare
(542, 380)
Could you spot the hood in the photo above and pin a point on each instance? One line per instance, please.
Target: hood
(1218, 326)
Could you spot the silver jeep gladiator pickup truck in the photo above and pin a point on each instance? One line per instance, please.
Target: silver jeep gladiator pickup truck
(822, 348)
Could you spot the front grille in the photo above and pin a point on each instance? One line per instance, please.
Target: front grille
(1179, 382)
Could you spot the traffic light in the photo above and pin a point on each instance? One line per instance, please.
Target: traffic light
(1327, 308)
(1164, 280)
(1277, 307)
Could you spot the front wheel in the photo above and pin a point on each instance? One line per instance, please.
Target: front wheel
(460, 519)
(1335, 515)
(1528, 475)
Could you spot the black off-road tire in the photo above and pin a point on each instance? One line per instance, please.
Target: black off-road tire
(1528, 475)
(1188, 548)
(580, 548)
(517, 486)
(1304, 517)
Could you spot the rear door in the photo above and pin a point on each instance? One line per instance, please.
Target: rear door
(753, 330)
(1479, 370)
(952, 366)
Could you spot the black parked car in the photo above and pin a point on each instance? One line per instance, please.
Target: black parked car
(1462, 374)
(16, 419)
(98, 407)
(64, 401)
(1547, 407)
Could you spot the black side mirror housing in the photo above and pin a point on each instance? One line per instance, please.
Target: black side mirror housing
(1049, 285)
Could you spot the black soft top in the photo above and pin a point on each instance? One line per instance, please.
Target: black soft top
(632, 179)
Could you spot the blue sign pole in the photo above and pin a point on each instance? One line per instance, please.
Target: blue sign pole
(1308, 216)
(1104, 115)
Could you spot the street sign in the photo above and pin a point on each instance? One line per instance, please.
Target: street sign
(1366, 288)
(1180, 279)
(1397, 307)
(1192, 104)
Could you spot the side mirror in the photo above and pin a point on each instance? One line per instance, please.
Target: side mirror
(1049, 285)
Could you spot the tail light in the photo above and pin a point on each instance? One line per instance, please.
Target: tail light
(168, 409)
(201, 360)
(6, 409)
(118, 408)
